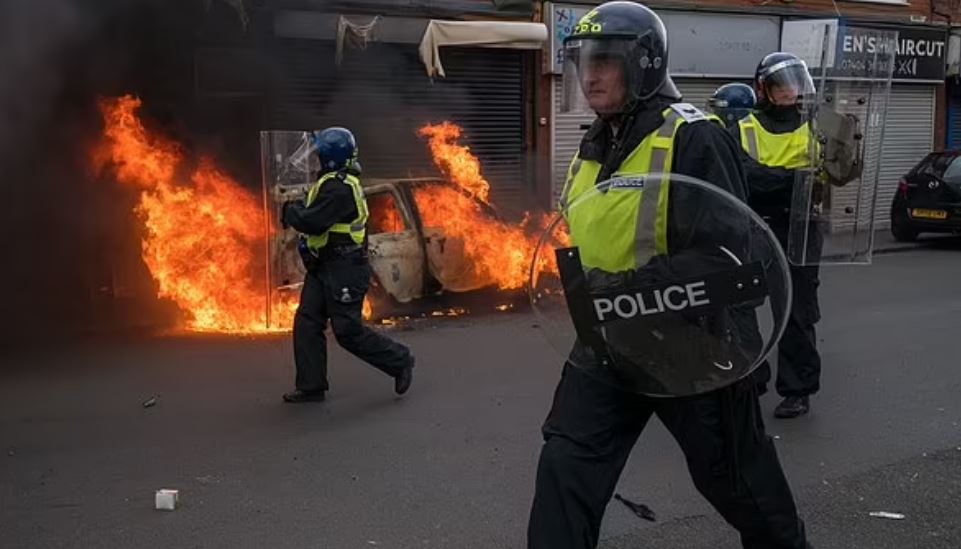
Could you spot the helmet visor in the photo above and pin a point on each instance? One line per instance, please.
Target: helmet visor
(596, 76)
(787, 83)
(304, 158)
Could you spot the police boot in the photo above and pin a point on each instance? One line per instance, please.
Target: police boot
(299, 396)
(792, 406)
(403, 380)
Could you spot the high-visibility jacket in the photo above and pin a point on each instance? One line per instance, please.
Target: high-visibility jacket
(623, 229)
(789, 150)
(356, 229)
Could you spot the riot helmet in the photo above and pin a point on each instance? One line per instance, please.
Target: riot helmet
(782, 80)
(329, 150)
(732, 102)
(616, 59)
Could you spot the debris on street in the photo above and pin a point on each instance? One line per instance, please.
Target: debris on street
(167, 500)
(152, 401)
(885, 514)
(638, 509)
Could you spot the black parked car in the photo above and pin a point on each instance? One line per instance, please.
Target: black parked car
(929, 197)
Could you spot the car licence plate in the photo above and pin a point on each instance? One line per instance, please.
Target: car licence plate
(929, 214)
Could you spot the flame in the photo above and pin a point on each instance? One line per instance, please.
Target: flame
(204, 232)
(498, 254)
(455, 160)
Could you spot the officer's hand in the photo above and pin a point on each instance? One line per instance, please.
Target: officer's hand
(285, 212)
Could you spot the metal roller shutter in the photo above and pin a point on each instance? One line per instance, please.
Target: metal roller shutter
(908, 137)
(383, 95)
(567, 127)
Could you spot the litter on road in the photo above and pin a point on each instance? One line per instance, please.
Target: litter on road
(167, 500)
(885, 514)
(638, 509)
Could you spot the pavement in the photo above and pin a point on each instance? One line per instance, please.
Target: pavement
(452, 463)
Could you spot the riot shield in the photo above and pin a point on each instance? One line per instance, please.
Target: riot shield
(834, 200)
(287, 175)
(661, 285)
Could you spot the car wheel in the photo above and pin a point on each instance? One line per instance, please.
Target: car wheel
(902, 230)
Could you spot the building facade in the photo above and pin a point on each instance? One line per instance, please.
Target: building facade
(716, 42)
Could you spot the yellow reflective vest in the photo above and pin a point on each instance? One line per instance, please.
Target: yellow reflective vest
(357, 229)
(623, 229)
(789, 150)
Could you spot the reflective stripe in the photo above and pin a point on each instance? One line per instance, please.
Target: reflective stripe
(658, 160)
(571, 174)
(647, 215)
(667, 128)
(751, 136)
(646, 219)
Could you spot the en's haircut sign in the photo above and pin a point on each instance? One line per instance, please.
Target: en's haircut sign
(914, 54)
(918, 53)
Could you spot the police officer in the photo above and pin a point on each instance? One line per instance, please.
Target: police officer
(776, 140)
(732, 102)
(618, 53)
(333, 222)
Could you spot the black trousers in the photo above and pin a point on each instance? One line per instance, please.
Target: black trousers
(334, 289)
(589, 435)
(799, 363)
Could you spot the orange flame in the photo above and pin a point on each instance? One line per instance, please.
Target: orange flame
(204, 232)
(499, 254)
(455, 160)
(203, 241)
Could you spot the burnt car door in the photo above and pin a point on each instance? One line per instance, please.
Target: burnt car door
(439, 204)
(396, 252)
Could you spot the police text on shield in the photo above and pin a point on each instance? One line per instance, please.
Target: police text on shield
(652, 301)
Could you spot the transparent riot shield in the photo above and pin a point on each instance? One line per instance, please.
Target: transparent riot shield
(288, 174)
(661, 285)
(834, 202)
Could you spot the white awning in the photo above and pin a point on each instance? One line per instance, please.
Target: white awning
(491, 34)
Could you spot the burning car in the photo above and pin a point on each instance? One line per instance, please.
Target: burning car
(428, 237)
(412, 255)
(217, 251)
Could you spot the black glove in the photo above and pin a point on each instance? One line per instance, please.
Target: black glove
(285, 212)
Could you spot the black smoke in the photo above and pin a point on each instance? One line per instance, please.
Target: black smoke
(69, 239)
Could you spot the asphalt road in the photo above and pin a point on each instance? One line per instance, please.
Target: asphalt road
(451, 464)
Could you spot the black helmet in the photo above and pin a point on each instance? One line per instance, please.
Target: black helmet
(631, 34)
(732, 102)
(782, 70)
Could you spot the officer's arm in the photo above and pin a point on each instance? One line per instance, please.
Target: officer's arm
(334, 203)
(766, 182)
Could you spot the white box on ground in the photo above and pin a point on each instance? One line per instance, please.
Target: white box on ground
(167, 500)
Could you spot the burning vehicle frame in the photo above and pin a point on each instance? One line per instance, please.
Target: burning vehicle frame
(416, 266)
(219, 253)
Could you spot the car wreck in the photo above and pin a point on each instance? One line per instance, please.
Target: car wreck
(416, 265)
